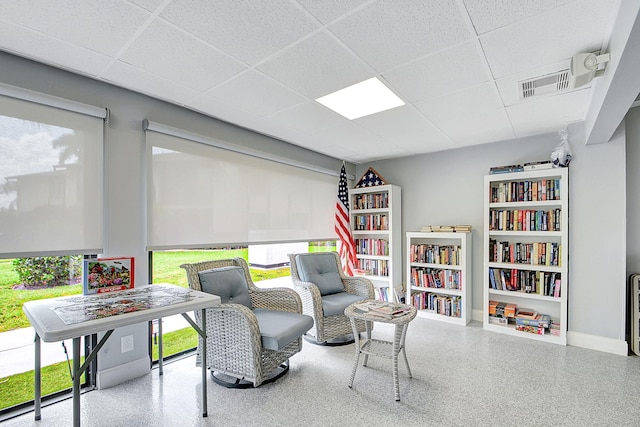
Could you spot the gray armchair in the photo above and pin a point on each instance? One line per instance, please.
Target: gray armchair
(326, 291)
(254, 332)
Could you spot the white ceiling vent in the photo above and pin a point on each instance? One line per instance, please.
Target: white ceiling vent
(545, 85)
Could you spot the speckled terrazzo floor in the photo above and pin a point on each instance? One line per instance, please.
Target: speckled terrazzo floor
(462, 377)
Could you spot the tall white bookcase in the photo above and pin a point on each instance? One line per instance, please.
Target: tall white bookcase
(375, 216)
(526, 246)
(438, 271)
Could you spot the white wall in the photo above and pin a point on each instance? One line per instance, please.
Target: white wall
(447, 188)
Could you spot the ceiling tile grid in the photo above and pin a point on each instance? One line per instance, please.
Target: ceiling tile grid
(261, 64)
(488, 15)
(256, 93)
(389, 33)
(86, 24)
(550, 37)
(171, 53)
(316, 66)
(447, 71)
(248, 30)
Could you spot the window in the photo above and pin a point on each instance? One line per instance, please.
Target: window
(51, 205)
(50, 180)
(204, 196)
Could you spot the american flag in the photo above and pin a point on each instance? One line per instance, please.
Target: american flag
(346, 245)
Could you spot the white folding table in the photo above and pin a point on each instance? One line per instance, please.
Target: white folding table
(72, 317)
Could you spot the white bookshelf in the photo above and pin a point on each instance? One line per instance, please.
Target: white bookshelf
(513, 246)
(375, 216)
(445, 256)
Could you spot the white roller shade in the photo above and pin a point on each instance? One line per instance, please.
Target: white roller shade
(203, 196)
(51, 188)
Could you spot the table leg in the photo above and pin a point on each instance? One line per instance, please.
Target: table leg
(37, 398)
(204, 362)
(397, 343)
(368, 325)
(76, 382)
(160, 347)
(357, 346)
(403, 349)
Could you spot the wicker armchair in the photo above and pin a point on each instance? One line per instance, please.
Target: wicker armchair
(254, 332)
(326, 291)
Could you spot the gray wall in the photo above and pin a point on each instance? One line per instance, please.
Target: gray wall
(447, 188)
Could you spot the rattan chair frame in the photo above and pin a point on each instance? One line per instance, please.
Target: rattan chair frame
(234, 347)
(328, 328)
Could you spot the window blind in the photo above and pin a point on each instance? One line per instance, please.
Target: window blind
(203, 196)
(51, 185)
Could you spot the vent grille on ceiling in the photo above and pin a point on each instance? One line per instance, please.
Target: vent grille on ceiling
(545, 85)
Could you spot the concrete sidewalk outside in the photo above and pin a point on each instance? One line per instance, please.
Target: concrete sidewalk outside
(17, 346)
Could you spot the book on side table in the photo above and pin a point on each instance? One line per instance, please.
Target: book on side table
(383, 309)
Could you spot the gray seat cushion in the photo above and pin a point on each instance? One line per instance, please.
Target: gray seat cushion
(228, 283)
(279, 328)
(336, 303)
(321, 270)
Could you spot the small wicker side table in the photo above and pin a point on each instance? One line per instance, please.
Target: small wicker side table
(381, 348)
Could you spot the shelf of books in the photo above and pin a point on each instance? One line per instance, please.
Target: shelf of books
(375, 217)
(438, 272)
(526, 240)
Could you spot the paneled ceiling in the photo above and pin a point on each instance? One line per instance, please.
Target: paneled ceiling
(260, 64)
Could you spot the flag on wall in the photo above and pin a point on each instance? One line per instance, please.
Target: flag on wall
(346, 245)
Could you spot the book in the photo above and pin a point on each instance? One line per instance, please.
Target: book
(383, 309)
(441, 228)
(541, 320)
(506, 169)
(530, 329)
(102, 275)
(524, 313)
(544, 164)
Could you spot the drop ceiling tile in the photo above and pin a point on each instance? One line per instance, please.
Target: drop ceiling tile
(150, 5)
(582, 26)
(215, 108)
(317, 66)
(256, 93)
(328, 10)
(280, 132)
(451, 70)
(52, 51)
(488, 15)
(487, 126)
(307, 117)
(87, 24)
(353, 136)
(387, 35)
(130, 77)
(404, 126)
(175, 55)
(464, 102)
(248, 30)
(548, 114)
(508, 86)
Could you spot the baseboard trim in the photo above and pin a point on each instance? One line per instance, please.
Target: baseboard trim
(118, 374)
(579, 339)
(595, 342)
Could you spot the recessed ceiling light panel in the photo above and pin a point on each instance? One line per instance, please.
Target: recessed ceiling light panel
(361, 99)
